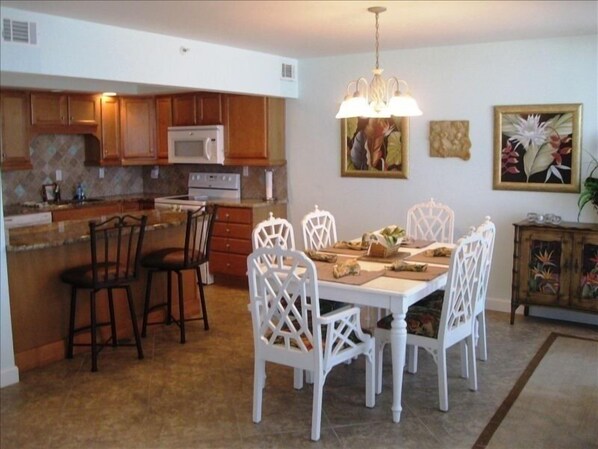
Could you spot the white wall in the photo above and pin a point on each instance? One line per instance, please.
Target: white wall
(450, 83)
(88, 51)
(9, 373)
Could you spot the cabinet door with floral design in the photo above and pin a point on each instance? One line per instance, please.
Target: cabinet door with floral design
(585, 272)
(545, 267)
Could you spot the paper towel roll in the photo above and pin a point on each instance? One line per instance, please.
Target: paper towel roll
(268, 185)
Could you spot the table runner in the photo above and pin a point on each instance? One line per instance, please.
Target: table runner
(390, 259)
(345, 251)
(417, 243)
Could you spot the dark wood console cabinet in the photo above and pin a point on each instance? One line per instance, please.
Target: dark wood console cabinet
(555, 266)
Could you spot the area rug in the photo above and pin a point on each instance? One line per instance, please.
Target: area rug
(554, 403)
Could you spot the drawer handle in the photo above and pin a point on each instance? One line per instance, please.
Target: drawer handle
(227, 230)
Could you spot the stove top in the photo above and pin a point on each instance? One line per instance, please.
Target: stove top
(204, 187)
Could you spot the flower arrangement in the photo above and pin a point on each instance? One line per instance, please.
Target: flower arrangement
(589, 193)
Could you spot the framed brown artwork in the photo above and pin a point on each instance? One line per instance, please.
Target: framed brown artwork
(375, 147)
(537, 147)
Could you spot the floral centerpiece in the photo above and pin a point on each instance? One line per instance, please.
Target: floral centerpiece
(386, 242)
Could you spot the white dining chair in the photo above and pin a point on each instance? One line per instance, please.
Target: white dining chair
(319, 229)
(273, 232)
(289, 330)
(488, 231)
(431, 221)
(444, 318)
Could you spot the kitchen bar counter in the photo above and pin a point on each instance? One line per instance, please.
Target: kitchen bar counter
(20, 209)
(75, 231)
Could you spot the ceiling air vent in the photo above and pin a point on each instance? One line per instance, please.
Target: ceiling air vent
(19, 31)
(288, 72)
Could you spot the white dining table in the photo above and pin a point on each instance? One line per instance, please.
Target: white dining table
(395, 295)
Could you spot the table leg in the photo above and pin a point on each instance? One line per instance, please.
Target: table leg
(398, 338)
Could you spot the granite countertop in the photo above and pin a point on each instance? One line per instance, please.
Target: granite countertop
(67, 232)
(248, 203)
(21, 209)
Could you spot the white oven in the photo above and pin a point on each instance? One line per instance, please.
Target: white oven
(201, 189)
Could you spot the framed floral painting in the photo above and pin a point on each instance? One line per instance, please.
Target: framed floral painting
(375, 147)
(537, 147)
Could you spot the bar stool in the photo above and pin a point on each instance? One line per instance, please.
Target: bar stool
(115, 254)
(191, 256)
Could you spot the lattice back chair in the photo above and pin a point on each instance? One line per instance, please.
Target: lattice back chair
(191, 256)
(319, 229)
(431, 221)
(273, 232)
(444, 318)
(289, 330)
(488, 231)
(115, 246)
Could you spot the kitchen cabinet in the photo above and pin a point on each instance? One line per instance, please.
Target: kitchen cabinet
(555, 266)
(103, 147)
(231, 237)
(163, 121)
(14, 130)
(254, 131)
(198, 108)
(137, 131)
(67, 112)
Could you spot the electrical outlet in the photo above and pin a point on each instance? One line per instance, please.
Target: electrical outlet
(155, 172)
(245, 170)
(58, 175)
(101, 172)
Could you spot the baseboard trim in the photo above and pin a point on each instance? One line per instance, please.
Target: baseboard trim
(9, 376)
(553, 313)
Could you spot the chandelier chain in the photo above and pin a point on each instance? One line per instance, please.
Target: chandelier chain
(377, 41)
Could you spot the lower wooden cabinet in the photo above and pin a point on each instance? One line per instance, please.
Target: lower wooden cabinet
(555, 266)
(80, 213)
(231, 237)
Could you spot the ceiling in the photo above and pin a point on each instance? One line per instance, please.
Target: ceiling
(306, 29)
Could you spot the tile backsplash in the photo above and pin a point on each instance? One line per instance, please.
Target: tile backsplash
(67, 153)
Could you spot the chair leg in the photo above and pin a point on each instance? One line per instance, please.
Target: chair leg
(482, 349)
(259, 379)
(202, 299)
(112, 318)
(146, 306)
(473, 380)
(169, 298)
(442, 380)
(370, 377)
(380, 344)
(181, 306)
(464, 359)
(412, 354)
(94, 349)
(71, 338)
(309, 377)
(316, 413)
(134, 322)
(298, 378)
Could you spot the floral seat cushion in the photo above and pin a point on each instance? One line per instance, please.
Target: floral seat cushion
(423, 318)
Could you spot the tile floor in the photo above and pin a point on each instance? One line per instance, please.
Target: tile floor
(199, 395)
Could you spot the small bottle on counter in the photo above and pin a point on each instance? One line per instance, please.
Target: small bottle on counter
(57, 192)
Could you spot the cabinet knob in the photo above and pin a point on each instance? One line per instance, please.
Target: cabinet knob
(227, 246)
(227, 216)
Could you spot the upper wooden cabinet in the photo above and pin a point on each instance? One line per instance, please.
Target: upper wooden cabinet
(14, 130)
(254, 131)
(163, 121)
(56, 110)
(198, 108)
(137, 131)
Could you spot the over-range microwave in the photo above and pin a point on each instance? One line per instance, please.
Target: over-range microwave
(196, 144)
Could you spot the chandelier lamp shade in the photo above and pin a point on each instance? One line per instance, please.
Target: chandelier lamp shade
(379, 99)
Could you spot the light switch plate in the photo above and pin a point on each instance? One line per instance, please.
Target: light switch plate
(101, 172)
(245, 170)
(155, 172)
(58, 175)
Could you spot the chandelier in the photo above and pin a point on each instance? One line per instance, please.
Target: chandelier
(373, 100)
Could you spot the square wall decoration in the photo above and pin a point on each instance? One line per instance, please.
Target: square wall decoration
(375, 147)
(537, 147)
